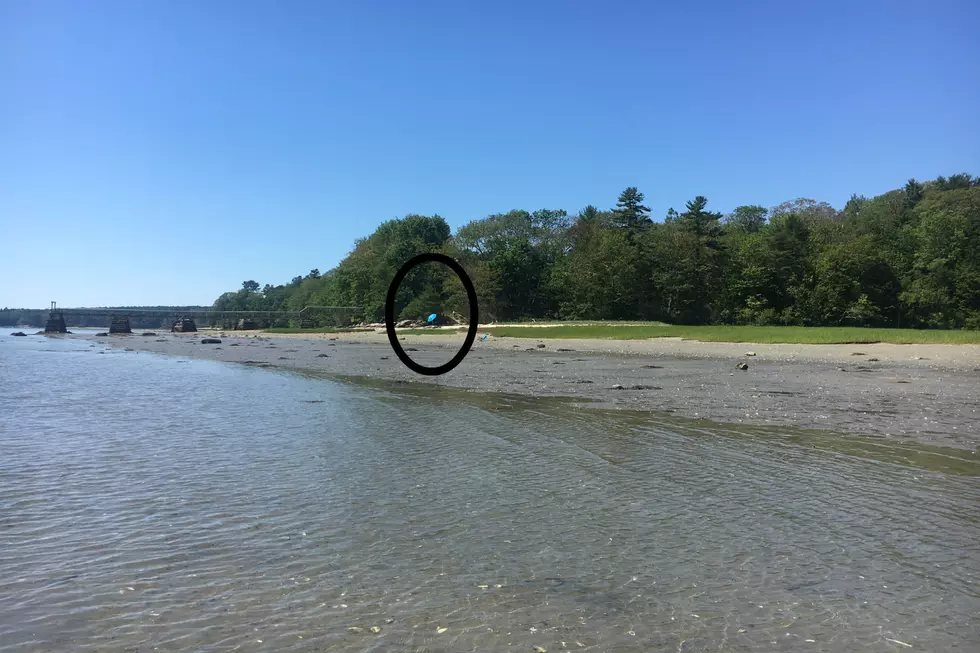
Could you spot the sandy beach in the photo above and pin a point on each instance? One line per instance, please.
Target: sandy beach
(929, 394)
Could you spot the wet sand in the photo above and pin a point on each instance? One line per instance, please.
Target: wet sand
(928, 394)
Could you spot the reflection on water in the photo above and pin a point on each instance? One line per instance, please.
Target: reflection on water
(152, 503)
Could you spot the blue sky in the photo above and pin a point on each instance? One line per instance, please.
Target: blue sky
(163, 152)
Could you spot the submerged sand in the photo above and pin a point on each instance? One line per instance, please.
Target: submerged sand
(924, 393)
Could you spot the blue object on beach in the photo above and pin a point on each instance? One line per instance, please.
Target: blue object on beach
(432, 318)
(484, 336)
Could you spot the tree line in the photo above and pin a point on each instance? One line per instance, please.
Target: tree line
(907, 258)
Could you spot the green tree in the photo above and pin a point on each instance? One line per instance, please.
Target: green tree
(362, 278)
(752, 292)
(955, 182)
(907, 257)
(518, 251)
(698, 258)
(913, 193)
(854, 206)
(701, 223)
(747, 218)
(602, 277)
(944, 290)
(850, 283)
(630, 213)
(590, 213)
(811, 211)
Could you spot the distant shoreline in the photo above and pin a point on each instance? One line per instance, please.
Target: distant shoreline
(926, 394)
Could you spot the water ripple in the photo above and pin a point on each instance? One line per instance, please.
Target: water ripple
(146, 504)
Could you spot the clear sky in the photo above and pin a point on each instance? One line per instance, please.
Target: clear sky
(161, 152)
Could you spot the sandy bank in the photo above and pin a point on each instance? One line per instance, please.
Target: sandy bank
(936, 356)
(922, 393)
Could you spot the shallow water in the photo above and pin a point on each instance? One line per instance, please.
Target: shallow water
(151, 503)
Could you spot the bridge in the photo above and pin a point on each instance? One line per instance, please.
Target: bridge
(121, 316)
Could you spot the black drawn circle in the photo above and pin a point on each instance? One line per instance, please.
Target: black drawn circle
(390, 314)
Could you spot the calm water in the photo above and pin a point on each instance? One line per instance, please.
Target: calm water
(161, 504)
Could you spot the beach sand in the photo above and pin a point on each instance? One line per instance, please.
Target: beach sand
(927, 393)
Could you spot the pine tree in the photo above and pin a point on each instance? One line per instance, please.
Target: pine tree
(913, 193)
(630, 212)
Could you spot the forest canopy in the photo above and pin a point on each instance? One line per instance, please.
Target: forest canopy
(907, 258)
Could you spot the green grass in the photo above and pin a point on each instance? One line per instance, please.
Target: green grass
(755, 334)
(429, 332)
(538, 323)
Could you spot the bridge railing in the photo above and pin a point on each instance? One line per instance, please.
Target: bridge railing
(306, 314)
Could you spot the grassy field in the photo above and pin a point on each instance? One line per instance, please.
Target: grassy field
(540, 323)
(756, 334)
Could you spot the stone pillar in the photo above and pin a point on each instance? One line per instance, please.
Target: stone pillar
(185, 325)
(55, 323)
(119, 324)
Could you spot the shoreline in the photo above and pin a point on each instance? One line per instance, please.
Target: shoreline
(929, 355)
(919, 393)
